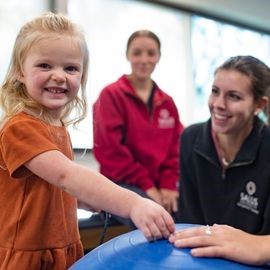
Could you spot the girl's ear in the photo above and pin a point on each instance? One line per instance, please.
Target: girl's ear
(20, 77)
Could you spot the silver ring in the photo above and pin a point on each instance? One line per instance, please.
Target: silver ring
(207, 230)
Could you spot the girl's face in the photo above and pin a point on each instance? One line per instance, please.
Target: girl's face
(52, 72)
(143, 55)
(231, 103)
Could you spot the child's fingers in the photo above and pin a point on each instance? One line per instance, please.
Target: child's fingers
(169, 222)
(147, 233)
(165, 224)
(155, 230)
(152, 232)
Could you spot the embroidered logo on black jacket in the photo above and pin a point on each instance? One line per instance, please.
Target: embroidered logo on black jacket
(247, 198)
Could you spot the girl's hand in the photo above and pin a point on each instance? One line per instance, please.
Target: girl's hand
(152, 219)
(226, 242)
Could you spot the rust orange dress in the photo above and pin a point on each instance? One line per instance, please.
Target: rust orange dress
(38, 221)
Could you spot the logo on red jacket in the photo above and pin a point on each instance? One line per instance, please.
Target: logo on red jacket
(165, 120)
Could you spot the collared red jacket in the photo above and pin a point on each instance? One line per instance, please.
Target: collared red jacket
(238, 195)
(132, 144)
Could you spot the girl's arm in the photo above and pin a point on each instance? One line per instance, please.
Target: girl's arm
(99, 192)
(226, 242)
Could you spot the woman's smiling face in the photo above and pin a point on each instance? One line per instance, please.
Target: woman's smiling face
(231, 103)
(143, 55)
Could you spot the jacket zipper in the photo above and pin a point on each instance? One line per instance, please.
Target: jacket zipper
(224, 169)
(223, 172)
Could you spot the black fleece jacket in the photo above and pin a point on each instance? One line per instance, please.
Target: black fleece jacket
(238, 195)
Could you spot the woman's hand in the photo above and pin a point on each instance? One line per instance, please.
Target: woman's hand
(154, 194)
(226, 242)
(169, 200)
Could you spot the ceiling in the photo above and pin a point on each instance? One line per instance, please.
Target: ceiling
(252, 13)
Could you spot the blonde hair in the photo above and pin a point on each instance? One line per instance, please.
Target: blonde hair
(13, 95)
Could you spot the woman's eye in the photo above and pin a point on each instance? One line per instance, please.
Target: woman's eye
(214, 91)
(136, 53)
(234, 97)
(152, 53)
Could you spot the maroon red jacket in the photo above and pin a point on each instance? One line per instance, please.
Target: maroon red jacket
(132, 144)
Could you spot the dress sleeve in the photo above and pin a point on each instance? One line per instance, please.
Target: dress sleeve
(21, 141)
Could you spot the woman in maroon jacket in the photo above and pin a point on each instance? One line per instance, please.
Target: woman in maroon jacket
(137, 127)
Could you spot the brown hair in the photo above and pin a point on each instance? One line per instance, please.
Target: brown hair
(143, 33)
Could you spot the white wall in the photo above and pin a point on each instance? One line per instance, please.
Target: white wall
(254, 13)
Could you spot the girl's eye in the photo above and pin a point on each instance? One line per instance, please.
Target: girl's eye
(44, 66)
(71, 68)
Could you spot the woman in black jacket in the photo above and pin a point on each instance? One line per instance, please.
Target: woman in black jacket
(225, 172)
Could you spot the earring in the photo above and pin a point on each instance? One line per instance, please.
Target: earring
(256, 113)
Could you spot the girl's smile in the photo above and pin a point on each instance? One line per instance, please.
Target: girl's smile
(52, 72)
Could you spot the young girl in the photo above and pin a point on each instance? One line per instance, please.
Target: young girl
(137, 127)
(39, 183)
